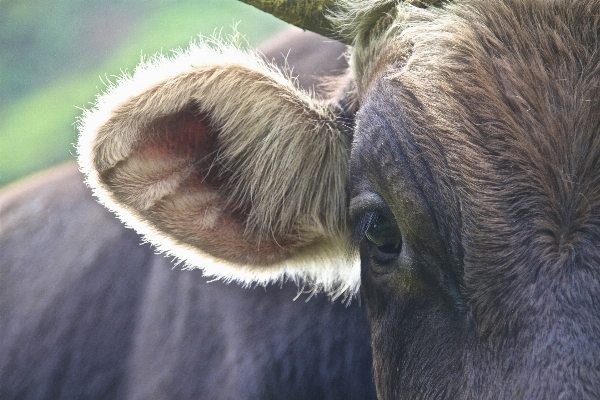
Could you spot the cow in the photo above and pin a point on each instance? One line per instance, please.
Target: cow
(452, 177)
(458, 161)
(88, 312)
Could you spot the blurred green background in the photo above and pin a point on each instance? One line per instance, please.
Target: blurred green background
(54, 55)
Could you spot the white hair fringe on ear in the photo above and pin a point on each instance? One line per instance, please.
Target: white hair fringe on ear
(327, 267)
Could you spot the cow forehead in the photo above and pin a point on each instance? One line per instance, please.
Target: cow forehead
(457, 35)
(501, 101)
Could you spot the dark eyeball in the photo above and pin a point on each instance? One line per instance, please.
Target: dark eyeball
(384, 233)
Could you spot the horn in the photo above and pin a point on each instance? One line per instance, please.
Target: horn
(311, 14)
(308, 14)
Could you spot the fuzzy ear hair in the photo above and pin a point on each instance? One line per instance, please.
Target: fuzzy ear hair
(219, 160)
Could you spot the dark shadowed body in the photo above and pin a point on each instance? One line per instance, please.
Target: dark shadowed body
(87, 312)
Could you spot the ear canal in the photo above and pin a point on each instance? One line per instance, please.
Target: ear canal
(218, 159)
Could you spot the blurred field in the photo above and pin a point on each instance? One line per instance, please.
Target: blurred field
(54, 55)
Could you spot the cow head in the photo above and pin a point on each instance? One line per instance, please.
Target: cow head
(461, 157)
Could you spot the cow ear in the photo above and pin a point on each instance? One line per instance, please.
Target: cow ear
(217, 158)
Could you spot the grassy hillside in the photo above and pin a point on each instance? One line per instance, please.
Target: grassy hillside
(54, 55)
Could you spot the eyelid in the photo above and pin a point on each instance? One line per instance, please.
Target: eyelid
(364, 208)
(367, 202)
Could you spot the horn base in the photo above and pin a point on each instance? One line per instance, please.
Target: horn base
(308, 15)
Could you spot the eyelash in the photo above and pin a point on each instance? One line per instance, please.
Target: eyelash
(381, 232)
(361, 227)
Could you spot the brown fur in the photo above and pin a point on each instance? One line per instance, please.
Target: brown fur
(514, 122)
(495, 107)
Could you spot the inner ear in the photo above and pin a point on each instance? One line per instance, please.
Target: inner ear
(189, 139)
(175, 182)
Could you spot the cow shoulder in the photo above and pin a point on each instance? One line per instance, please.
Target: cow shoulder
(71, 284)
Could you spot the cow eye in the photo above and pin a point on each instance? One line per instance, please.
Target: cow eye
(384, 233)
